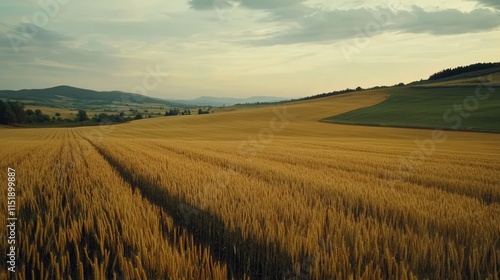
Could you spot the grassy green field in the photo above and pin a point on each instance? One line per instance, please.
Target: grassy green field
(455, 108)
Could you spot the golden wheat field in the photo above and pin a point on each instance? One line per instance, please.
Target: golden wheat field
(256, 193)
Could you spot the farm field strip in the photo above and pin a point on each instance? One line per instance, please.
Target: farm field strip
(341, 178)
(377, 165)
(173, 201)
(458, 223)
(73, 222)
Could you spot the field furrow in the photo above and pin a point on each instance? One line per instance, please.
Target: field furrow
(316, 208)
(80, 220)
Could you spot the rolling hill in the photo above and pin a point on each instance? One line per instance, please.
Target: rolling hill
(71, 97)
(466, 101)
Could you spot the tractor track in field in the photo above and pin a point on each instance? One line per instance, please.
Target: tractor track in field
(209, 231)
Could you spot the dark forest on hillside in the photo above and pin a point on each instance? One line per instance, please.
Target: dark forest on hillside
(463, 69)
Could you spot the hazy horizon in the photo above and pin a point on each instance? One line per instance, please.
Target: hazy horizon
(245, 48)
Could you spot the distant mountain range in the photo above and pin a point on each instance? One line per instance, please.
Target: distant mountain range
(72, 97)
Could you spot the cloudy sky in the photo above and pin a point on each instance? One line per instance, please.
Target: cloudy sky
(190, 48)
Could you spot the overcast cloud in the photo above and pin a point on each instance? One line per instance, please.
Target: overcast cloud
(490, 3)
(345, 24)
(240, 48)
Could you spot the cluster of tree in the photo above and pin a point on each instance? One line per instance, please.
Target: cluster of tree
(111, 118)
(36, 116)
(177, 111)
(12, 112)
(463, 69)
(201, 111)
(81, 116)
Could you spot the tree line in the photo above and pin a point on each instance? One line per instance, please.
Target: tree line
(14, 112)
(463, 69)
(177, 111)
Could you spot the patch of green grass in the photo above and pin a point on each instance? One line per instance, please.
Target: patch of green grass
(445, 108)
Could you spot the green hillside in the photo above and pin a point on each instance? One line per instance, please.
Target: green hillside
(450, 103)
